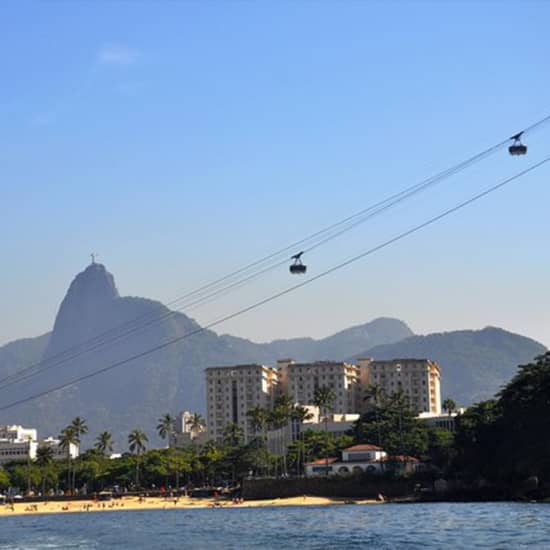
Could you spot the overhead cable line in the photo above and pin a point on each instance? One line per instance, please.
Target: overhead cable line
(286, 291)
(198, 297)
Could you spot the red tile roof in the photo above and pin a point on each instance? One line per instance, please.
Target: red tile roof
(321, 461)
(365, 447)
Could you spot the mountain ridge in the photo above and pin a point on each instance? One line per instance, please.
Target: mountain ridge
(136, 393)
(474, 363)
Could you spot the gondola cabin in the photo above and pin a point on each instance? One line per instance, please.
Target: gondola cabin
(298, 269)
(517, 149)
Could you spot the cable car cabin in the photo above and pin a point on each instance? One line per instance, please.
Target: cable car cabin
(517, 149)
(298, 268)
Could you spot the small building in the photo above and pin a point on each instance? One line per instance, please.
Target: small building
(442, 421)
(17, 443)
(336, 425)
(360, 459)
(357, 459)
(59, 453)
(185, 434)
(17, 450)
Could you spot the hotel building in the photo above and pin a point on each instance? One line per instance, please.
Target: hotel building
(300, 380)
(232, 391)
(418, 379)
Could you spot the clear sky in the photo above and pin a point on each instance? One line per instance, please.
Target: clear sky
(180, 140)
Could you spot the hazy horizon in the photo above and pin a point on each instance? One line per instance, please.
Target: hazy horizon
(182, 141)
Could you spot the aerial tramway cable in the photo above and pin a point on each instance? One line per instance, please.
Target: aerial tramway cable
(198, 297)
(288, 290)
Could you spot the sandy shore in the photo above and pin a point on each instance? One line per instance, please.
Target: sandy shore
(134, 503)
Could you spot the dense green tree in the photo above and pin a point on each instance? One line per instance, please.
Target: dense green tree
(392, 425)
(300, 415)
(67, 438)
(505, 439)
(44, 461)
(449, 406)
(323, 398)
(25, 475)
(5, 481)
(524, 422)
(233, 435)
(258, 418)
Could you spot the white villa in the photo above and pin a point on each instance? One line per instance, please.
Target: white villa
(359, 459)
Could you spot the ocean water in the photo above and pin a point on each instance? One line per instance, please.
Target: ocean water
(392, 526)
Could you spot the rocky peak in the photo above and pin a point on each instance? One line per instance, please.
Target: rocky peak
(90, 294)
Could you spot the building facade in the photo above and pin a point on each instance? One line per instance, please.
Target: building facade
(418, 379)
(361, 459)
(185, 434)
(354, 460)
(300, 380)
(232, 391)
(18, 443)
(58, 452)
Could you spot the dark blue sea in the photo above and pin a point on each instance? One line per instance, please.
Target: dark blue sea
(399, 526)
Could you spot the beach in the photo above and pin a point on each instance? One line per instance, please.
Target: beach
(159, 503)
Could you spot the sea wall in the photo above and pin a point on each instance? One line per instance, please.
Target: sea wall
(353, 487)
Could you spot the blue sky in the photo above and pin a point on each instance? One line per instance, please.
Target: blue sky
(180, 140)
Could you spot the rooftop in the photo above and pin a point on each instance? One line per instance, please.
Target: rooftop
(362, 448)
(237, 367)
(322, 461)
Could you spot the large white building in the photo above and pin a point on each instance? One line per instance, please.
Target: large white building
(232, 391)
(18, 443)
(418, 379)
(300, 380)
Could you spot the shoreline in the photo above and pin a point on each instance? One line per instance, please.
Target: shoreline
(158, 503)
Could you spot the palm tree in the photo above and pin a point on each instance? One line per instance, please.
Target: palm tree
(44, 459)
(449, 406)
(233, 435)
(104, 443)
(196, 424)
(165, 427)
(376, 395)
(258, 418)
(300, 415)
(68, 437)
(136, 443)
(324, 398)
(79, 426)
